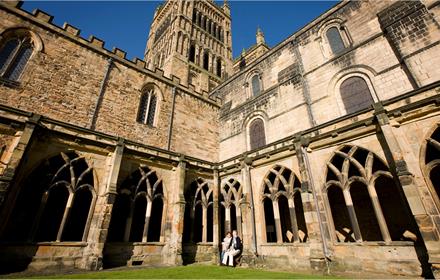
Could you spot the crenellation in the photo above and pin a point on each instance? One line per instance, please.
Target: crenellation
(119, 52)
(43, 16)
(71, 29)
(96, 41)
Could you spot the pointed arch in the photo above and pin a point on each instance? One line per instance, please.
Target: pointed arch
(354, 191)
(139, 208)
(57, 194)
(231, 197)
(280, 187)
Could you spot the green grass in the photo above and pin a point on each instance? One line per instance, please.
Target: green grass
(189, 272)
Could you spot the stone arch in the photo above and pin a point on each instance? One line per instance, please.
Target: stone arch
(359, 183)
(231, 198)
(336, 24)
(430, 162)
(283, 189)
(44, 204)
(363, 72)
(135, 217)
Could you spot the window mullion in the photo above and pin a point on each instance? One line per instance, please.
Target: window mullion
(12, 58)
(147, 108)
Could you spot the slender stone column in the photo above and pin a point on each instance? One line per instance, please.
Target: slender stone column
(239, 220)
(276, 214)
(204, 224)
(249, 229)
(128, 223)
(228, 218)
(65, 216)
(379, 214)
(352, 215)
(216, 219)
(293, 221)
(147, 221)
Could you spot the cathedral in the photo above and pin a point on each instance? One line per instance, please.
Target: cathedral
(322, 151)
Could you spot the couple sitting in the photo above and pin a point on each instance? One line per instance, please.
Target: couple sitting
(231, 247)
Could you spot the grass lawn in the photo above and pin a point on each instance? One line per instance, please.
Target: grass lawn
(189, 272)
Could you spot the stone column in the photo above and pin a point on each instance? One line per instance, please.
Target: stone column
(315, 217)
(427, 222)
(293, 220)
(216, 219)
(227, 219)
(249, 229)
(98, 230)
(13, 166)
(276, 214)
(177, 220)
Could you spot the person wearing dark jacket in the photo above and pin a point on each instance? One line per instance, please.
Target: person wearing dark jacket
(233, 250)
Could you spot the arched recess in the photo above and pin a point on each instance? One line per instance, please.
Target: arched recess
(430, 163)
(198, 217)
(17, 46)
(334, 37)
(138, 212)
(363, 200)
(56, 202)
(256, 115)
(151, 98)
(230, 201)
(282, 207)
(353, 89)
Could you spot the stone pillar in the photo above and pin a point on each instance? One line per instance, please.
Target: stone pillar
(98, 230)
(12, 169)
(293, 220)
(315, 217)
(177, 220)
(216, 219)
(427, 222)
(276, 214)
(249, 228)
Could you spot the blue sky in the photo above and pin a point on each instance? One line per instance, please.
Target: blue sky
(125, 24)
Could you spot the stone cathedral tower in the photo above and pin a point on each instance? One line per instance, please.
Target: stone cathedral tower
(191, 40)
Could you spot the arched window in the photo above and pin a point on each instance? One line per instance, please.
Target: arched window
(257, 137)
(256, 89)
(192, 53)
(55, 203)
(147, 106)
(230, 202)
(431, 168)
(335, 40)
(14, 55)
(355, 94)
(138, 209)
(361, 191)
(219, 67)
(206, 61)
(281, 198)
(198, 219)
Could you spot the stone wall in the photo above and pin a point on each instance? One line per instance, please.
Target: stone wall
(64, 80)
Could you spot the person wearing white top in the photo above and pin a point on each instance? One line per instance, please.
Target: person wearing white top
(233, 249)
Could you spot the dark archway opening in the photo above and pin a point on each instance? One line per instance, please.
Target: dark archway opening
(206, 61)
(341, 220)
(270, 221)
(394, 209)
(155, 226)
(210, 224)
(192, 53)
(233, 217)
(365, 214)
(198, 223)
(286, 225)
(138, 221)
(300, 219)
(76, 222)
(52, 214)
(118, 222)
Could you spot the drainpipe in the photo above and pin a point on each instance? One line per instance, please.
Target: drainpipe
(327, 253)
(170, 128)
(101, 95)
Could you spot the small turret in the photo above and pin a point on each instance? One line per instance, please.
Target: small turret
(260, 37)
(226, 7)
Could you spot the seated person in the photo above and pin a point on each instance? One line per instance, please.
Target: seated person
(233, 249)
(225, 244)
